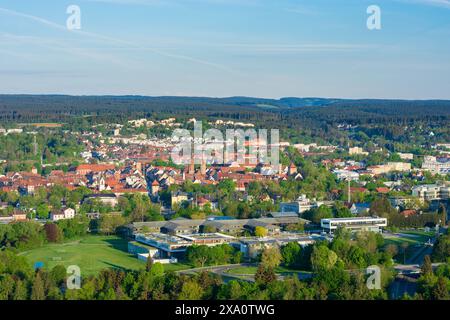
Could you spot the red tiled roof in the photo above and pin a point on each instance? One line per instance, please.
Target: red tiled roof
(383, 190)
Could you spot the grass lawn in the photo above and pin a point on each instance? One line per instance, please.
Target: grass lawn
(91, 254)
(414, 239)
(252, 270)
(177, 266)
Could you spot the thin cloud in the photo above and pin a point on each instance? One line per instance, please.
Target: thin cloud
(114, 40)
(436, 3)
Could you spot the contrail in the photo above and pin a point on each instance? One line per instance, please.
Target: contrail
(113, 40)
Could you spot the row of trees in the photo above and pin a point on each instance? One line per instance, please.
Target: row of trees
(30, 234)
(201, 256)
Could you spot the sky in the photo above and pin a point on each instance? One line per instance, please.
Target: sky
(220, 48)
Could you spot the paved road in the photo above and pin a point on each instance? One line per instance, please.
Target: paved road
(223, 271)
(402, 285)
(419, 255)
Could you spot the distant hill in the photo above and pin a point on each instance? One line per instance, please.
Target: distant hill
(38, 108)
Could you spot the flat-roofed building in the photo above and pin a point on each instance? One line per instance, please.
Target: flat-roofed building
(233, 226)
(184, 226)
(208, 239)
(251, 226)
(301, 205)
(175, 245)
(167, 244)
(432, 192)
(436, 164)
(355, 224)
(229, 226)
(252, 247)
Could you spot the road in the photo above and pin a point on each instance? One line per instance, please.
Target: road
(402, 285)
(223, 271)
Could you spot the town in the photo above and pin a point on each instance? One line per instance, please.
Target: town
(118, 180)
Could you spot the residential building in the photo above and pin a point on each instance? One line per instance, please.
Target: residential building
(406, 156)
(436, 165)
(357, 151)
(178, 197)
(432, 192)
(65, 213)
(301, 205)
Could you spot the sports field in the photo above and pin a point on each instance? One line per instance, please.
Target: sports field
(91, 254)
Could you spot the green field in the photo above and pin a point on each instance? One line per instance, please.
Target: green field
(415, 240)
(92, 254)
(252, 270)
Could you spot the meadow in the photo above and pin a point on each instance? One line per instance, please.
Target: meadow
(91, 254)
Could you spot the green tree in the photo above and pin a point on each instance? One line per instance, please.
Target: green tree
(291, 254)
(20, 290)
(265, 275)
(190, 290)
(440, 291)
(323, 258)
(427, 268)
(149, 264)
(271, 257)
(37, 289)
(42, 211)
(260, 232)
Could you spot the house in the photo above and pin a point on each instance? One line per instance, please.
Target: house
(105, 198)
(65, 213)
(84, 169)
(360, 208)
(292, 170)
(202, 202)
(301, 205)
(19, 215)
(56, 216)
(432, 192)
(436, 164)
(408, 213)
(357, 151)
(382, 190)
(155, 187)
(178, 197)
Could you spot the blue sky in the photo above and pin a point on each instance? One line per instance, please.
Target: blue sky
(264, 48)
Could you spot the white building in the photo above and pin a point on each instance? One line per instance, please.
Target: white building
(436, 165)
(301, 205)
(355, 224)
(346, 175)
(65, 213)
(357, 150)
(431, 192)
(406, 156)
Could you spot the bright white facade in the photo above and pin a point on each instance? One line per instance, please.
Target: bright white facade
(357, 224)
